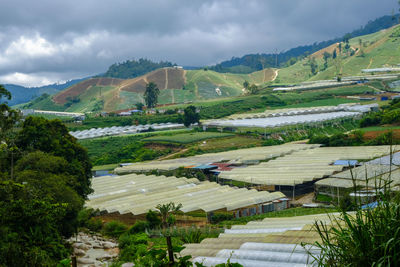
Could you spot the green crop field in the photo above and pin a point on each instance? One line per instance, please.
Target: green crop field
(187, 138)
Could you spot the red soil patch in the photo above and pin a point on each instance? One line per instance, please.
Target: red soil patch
(81, 87)
(166, 78)
(329, 49)
(374, 134)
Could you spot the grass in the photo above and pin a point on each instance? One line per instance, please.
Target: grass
(324, 198)
(282, 213)
(187, 138)
(379, 128)
(104, 167)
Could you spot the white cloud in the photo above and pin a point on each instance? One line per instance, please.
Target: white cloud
(49, 40)
(27, 79)
(35, 46)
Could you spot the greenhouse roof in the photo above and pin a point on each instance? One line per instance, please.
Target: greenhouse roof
(262, 243)
(232, 157)
(137, 194)
(302, 166)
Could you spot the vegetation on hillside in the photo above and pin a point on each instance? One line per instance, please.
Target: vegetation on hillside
(254, 62)
(134, 68)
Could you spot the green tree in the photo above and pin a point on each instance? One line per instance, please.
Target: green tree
(139, 106)
(51, 136)
(313, 65)
(253, 89)
(51, 176)
(166, 211)
(326, 58)
(151, 95)
(190, 116)
(246, 84)
(8, 120)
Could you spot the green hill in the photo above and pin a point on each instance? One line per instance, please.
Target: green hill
(176, 86)
(380, 49)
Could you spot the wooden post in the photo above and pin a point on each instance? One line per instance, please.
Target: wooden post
(73, 261)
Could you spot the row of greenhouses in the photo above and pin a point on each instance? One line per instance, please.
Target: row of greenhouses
(137, 194)
(240, 156)
(121, 130)
(277, 243)
(283, 121)
(302, 166)
(293, 116)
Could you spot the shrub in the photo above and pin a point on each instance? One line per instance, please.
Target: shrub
(153, 219)
(139, 227)
(94, 224)
(219, 217)
(114, 229)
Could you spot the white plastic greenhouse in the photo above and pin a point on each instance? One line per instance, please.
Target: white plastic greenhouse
(137, 194)
(240, 156)
(121, 130)
(293, 116)
(302, 166)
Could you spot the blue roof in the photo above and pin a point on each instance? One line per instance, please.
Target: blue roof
(346, 162)
(371, 205)
(205, 167)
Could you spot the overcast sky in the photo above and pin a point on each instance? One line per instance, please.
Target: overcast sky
(46, 41)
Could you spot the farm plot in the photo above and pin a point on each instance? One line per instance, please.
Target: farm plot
(187, 137)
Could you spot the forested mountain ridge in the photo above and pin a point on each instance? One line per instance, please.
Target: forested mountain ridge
(134, 68)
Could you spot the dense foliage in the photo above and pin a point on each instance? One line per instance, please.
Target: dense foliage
(366, 237)
(151, 95)
(190, 116)
(29, 234)
(44, 179)
(51, 136)
(132, 68)
(387, 115)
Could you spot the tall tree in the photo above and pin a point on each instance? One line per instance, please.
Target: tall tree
(190, 116)
(151, 95)
(166, 211)
(327, 55)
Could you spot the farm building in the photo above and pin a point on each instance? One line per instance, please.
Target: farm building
(137, 194)
(270, 242)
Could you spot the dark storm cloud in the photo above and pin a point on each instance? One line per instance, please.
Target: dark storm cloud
(47, 40)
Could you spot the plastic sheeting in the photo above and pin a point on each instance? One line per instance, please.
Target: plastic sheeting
(137, 194)
(283, 120)
(120, 130)
(268, 256)
(212, 261)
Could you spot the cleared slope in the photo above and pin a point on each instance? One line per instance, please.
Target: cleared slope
(377, 50)
(176, 86)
